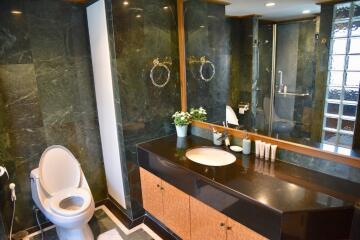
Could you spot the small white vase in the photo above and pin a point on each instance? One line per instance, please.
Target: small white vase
(181, 131)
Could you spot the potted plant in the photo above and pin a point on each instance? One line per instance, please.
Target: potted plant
(181, 121)
(198, 114)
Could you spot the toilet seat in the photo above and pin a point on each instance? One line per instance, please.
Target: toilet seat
(70, 202)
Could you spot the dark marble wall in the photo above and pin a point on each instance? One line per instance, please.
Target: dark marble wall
(46, 97)
(305, 76)
(322, 58)
(242, 37)
(207, 34)
(139, 33)
(263, 86)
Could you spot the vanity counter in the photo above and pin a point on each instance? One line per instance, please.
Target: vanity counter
(278, 200)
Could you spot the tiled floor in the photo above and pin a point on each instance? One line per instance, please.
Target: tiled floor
(104, 221)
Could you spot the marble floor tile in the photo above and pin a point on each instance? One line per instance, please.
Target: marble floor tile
(103, 221)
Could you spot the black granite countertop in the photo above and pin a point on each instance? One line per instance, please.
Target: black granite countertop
(280, 186)
(277, 200)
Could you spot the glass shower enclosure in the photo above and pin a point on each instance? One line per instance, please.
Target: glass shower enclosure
(286, 80)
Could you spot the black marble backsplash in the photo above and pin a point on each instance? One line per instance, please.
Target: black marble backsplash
(46, 97)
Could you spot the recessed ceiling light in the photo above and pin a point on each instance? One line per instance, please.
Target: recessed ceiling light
(16, 12)
(166, 8)
(138, 16)
(270, 4)
(307, 11)
(202, 26)
(125, 3)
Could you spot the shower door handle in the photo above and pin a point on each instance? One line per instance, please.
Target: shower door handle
(281, 83)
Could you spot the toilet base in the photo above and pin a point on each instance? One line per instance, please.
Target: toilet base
(82, 233)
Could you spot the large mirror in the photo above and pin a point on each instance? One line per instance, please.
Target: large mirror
(285, 69)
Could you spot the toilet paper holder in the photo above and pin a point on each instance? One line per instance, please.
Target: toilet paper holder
(243, 107)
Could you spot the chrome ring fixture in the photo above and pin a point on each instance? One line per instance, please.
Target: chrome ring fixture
(203, 61)
(157, 63)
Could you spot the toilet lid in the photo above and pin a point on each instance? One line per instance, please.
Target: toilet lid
(58, 170)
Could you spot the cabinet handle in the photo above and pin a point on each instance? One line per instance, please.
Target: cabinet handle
(161, 188)
(229, 228)
(222, 224)
(157, 185)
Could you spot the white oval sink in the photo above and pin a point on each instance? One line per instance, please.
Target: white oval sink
(210, 156)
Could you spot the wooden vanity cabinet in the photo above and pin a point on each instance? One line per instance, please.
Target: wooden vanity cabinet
(166, 203)
(186, 216)
(206, 222)
(237, 231)
(176, 210)
(152, 194)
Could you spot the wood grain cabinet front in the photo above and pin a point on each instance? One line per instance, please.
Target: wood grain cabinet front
(186, 216)
(176, 210)
(206, 222)
(166, 203)
(152, 194)
(237, 231)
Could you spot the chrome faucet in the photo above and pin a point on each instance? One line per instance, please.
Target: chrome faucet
(225, 137)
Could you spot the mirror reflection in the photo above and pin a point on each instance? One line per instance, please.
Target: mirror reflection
(286, 69)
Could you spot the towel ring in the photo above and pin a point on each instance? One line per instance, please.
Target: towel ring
(203, 62)
(157, 63)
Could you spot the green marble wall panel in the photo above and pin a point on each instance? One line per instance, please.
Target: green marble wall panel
(242, 37)
(46, 97)
(139, 33)
(207, 34)
(322, 59)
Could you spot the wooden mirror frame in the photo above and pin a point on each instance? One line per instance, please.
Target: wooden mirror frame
(290, 146)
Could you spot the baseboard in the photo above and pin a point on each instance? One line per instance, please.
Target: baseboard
(160, 229)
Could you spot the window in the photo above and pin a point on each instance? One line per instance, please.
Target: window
(342, 92)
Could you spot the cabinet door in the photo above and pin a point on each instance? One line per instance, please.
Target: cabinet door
(206, 222)
(176, 210)
(151, 194)
(237, 231)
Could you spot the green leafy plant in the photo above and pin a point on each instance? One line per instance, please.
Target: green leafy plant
(198, 114)
(181, 118)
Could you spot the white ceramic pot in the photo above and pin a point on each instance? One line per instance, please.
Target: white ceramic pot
(181, 131)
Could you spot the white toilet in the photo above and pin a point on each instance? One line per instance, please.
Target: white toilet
(61, 192)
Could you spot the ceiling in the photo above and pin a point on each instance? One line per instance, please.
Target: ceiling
(283, 10)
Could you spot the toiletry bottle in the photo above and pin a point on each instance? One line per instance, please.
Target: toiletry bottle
(273, 152)
(267, 151)
(262, 149)
(246, 144)
(257, 148)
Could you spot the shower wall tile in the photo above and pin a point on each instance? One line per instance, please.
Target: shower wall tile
(46, 97)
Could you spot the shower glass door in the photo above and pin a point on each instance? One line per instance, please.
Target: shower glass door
(286, 78)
